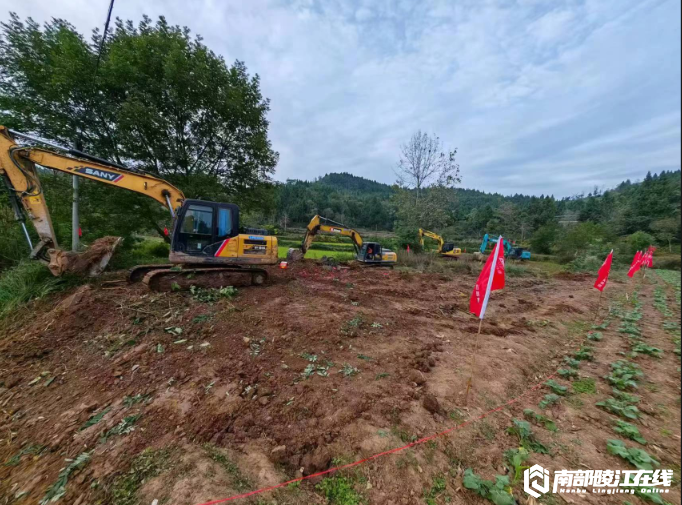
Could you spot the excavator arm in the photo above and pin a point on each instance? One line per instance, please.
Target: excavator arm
(434, 236)
(320, 224)
(19, 173)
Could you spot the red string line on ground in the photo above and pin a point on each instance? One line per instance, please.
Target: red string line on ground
(385, 453)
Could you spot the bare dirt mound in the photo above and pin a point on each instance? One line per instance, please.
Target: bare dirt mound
(187, 398)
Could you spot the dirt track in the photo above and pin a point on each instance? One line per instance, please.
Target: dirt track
(252, 392)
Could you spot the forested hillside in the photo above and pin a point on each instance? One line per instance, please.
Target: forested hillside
(651, 206)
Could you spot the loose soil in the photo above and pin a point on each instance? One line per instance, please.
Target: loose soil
(321, 367)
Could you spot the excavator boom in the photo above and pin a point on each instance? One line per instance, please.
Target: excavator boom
(18, 170)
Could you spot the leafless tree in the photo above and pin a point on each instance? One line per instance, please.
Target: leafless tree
(423, 163)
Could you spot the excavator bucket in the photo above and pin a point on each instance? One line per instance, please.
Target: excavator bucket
(294, 254)
(91, 262)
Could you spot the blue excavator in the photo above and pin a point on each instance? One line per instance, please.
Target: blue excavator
(510, 251)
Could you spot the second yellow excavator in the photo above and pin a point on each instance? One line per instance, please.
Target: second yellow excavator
(445, 249)
(207, 245)
(367, 253)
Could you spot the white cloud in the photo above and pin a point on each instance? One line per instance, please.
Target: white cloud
(539, 96)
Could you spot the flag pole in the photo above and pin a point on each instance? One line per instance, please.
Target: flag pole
(473, 363)
(596, 316)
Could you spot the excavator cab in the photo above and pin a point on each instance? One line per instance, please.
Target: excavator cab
(208, 233)
(371, 252)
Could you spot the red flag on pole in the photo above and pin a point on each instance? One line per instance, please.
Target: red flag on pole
(636, 264)
(603, 274)
(491, 279)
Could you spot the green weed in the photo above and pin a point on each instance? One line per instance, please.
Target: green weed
(639, 458)
(58, 488)
(556, 387)
(94, 419)
(515, 459)
(548, 401)
(620, 408)
(527, 439)
(629, 431)
(566, 373)
(212, 295)
(497, 492)
(540, 419)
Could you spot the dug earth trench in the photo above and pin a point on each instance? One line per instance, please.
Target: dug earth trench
(113, 394)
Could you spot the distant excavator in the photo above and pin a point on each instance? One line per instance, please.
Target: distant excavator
(445, 249)
(367, 253)
(207, 247)
(510, 251)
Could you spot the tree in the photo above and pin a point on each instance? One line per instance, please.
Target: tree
(423, 162)
(161, 102)
(666, 230)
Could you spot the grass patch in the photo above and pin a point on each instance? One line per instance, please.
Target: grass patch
(146, 465)
(585, 386)
(339, 491)
(238, 480)
(29, 280)
(317, 254)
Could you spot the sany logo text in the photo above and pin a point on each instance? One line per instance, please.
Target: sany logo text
(100, 174)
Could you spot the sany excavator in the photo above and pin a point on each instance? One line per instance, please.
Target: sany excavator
(509, 250)
(206, 245)
(445, 249)
(368, 253)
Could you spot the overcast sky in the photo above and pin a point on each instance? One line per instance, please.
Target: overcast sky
(550, 97)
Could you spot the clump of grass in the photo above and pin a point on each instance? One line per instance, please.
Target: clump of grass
(25, 282)
(339, 491)
(239, 481)
(586, 385)
(146, 465)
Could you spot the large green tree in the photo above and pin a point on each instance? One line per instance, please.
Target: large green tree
(159, 101)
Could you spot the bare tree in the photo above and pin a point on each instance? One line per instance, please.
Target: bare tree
(423, 162)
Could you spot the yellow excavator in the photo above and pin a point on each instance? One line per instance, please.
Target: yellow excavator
(207, 247)
(367, 253)
(445, 249)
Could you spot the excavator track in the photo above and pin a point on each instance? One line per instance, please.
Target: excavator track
(167, 279)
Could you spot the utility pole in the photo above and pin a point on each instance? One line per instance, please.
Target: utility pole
(75, 226)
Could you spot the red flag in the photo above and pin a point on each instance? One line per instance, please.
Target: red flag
(636, 264)
(408, 247)
(165, 231)
(491, 279)
(603, 274)
(80, 232)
